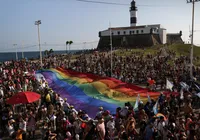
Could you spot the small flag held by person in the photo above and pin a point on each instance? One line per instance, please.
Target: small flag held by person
(198, 94)
(181, 92)
(149, 98)
(184, 86)
(137, 103)
(155, 108)
(169, 85)
(197, 87)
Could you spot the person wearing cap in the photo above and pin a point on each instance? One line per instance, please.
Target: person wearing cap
(99, 114)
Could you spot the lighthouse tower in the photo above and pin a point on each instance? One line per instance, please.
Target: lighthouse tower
(133, 13)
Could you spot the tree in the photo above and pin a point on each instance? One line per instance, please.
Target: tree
(70, 42)
(46, 52)
(67, 42)
(51, 51)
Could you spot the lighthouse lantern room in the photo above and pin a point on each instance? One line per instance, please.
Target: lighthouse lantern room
(133, 13)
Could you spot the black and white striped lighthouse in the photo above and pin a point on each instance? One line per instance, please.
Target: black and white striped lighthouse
(133, 13)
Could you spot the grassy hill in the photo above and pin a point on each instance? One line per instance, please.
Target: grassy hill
(184, 49)
(179, 49)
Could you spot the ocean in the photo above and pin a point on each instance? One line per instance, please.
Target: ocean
(7, 56)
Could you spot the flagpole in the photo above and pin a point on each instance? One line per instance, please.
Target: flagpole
(110, 49)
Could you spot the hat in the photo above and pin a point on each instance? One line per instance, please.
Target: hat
(65, 99)
(71, 106)
(101, 108)
(12, 121)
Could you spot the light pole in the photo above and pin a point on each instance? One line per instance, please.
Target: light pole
(84, 46)
(111, 65)
(38, 22)
(192, 37)
(22, 50)
(16, 51)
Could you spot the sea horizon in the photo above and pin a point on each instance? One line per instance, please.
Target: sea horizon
(9, 56)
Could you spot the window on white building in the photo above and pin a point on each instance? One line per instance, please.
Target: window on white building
(142, 31)
(124, 32)
(137, 31)
(118, 32)
(133, 32)
(130, 32)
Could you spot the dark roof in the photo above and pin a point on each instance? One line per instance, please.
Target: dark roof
(125, 28)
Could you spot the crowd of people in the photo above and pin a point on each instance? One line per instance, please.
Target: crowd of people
(52, 118)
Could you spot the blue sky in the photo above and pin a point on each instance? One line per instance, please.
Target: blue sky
(64, 20)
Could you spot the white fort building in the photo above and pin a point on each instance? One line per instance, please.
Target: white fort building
(137, 35)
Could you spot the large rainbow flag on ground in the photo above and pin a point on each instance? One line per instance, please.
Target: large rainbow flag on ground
(88, 91)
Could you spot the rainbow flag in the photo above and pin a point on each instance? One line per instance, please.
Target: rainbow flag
(88, 92)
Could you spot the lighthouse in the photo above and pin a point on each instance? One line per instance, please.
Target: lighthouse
(133, 13)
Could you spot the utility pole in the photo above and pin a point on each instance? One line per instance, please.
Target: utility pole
(22, 50)
(16, 51)
(38, 25)
(111, 65)
(192, 37)
(84, 46)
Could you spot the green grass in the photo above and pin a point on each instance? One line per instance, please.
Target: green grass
(184, 49)
(146, 51)
(179, 49)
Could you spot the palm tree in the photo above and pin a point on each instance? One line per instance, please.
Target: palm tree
(46, 52)
(51, 51)
(67, 42)
(70, 42)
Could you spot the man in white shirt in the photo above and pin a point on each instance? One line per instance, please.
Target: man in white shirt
(161, 126)
(10, 128)
(124, 111)
(22, 126)
(111, 126)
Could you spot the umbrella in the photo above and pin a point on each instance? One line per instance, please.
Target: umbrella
(161, 115)
(24, 98)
